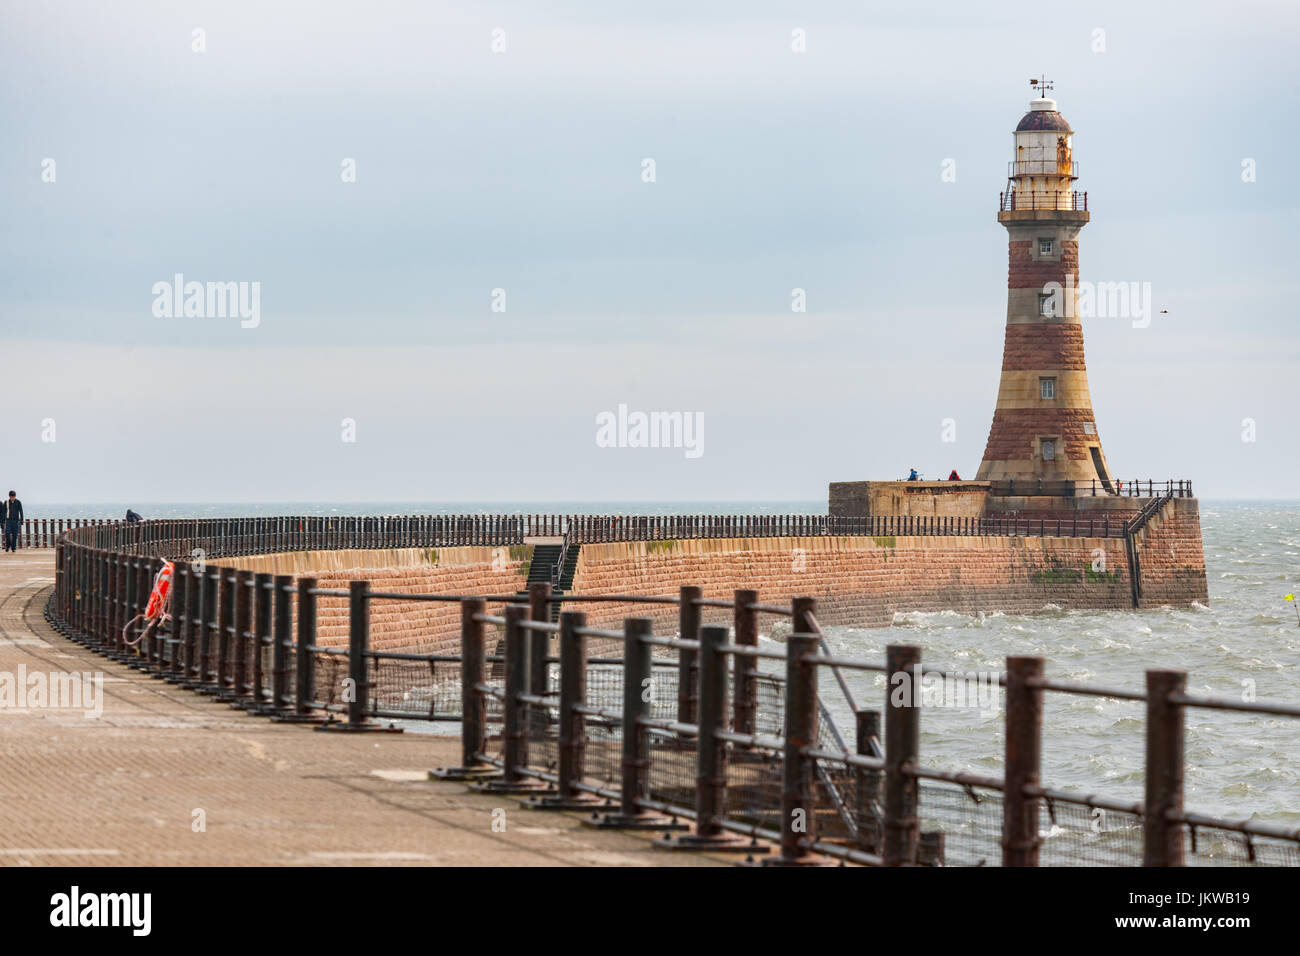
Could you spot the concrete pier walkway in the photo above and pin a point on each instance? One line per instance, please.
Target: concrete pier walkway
(123, 788)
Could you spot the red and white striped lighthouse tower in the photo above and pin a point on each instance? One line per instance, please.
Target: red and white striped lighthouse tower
(1043, 425)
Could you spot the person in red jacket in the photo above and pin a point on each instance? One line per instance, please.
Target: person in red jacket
(953, 476)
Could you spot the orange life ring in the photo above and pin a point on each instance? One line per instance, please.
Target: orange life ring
(157, 608)
(160, 596)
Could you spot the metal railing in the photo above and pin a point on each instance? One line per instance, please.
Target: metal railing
(43, 532)
(1051, 199)
(682, 727)
(221, 537)
(297, 532)
(743, 766)
(1054, 488)
(320, 532)
(599, 529)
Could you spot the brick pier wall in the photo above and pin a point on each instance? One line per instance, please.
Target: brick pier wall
(861, 581)
(422, 627)
(866, 581)
(1172, 558)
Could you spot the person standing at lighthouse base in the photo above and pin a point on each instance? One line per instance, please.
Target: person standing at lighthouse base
(13, 520)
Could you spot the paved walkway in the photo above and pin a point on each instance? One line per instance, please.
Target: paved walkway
(123, 788)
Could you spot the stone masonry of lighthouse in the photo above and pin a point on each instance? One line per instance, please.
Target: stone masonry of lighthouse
(1043, 425)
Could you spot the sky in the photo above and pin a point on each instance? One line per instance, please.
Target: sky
(461, 265)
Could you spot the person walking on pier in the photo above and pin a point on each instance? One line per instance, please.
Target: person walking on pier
(13, 519)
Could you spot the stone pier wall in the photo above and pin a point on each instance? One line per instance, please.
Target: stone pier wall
(860, 581)
(1172, 557)
(422, 627)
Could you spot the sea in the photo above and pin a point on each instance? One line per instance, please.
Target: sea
(1243, 644)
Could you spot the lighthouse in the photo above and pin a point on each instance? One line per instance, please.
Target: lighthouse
(1043, 426)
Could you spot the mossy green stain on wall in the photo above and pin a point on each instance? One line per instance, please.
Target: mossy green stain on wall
(1057, 576)
(1064, 575)
(1102, 577)
(656, 547)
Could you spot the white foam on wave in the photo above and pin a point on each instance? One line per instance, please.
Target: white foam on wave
(930, 618)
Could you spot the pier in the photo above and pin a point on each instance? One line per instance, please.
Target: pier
(125, 787)
(692, 731)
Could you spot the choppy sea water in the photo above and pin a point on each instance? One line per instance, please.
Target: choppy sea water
(1238, 765)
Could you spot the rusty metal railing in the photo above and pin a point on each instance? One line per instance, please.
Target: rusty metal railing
(718, 741)
(1135, 488)
(1050, 199)
(683, 732)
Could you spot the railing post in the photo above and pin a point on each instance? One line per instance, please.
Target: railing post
(118, 617)
(1024, 744)
(111, 631)
(262, 582)
(196, 657)
(473, 714)
(243, 636)
(711, 755)
(104, 619)
(129, 610)
(86, 609)
(207, 627)
(304, 654)
(868, 810)
(688, 630)
(636, 737)
(188, 652)
(282, 647)
(514, 733)
(902, 743)
(518, 680)
(77, 585)
(539, 609)
(180, 611)
(573, 725)
(87, 595)
(225, 633)
(153, 645)
(798, 803)
(358, 646)
(636, 740)
(573, 693)
(1165, 732)
(746, 668)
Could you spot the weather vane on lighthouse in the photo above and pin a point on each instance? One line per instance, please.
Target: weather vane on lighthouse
(1041, 85)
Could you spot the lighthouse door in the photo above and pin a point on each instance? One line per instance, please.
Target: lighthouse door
(1101, 471)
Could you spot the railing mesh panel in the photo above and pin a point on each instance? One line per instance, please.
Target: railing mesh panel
(417, 688)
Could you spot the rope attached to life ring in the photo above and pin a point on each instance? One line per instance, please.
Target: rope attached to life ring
(157, 610)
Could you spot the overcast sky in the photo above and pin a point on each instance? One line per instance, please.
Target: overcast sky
(522, 170)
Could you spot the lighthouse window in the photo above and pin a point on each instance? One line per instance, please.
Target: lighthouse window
(1046, 304)
(1049, 450)
(1047, 389)
(1044, 247)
